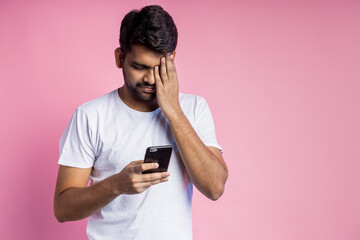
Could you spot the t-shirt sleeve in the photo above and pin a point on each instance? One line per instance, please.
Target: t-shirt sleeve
(76, 149)
(204, 124)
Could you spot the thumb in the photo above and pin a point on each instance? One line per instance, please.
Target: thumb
(133, 163)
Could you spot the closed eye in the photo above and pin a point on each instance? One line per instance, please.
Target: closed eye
(137, 67)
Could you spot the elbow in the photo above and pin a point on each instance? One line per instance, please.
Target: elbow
(218, 189)
(60, 220)
(216, 193)
(60, 209)
(213, 193)
(59, 217)
(59, 213)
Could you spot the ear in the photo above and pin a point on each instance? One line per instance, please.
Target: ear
(174, 53)
(119, 57)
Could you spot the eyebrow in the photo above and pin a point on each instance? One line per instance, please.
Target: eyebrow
(140, 64)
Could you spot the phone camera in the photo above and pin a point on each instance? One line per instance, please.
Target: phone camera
(153, 149)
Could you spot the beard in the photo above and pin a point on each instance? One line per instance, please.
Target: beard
(138, 94)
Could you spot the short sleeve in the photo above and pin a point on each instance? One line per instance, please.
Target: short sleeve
(76, 149)
(204, 124)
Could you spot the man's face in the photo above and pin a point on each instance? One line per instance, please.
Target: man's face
(138, 70)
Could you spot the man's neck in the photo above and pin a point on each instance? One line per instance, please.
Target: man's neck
(136, 104)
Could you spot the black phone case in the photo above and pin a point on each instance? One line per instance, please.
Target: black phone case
(160, 155)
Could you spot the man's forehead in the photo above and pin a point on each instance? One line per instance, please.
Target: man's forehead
(140, 51)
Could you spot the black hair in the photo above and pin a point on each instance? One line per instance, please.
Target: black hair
(151, 27)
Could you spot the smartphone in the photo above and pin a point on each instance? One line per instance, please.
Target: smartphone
(160, 155)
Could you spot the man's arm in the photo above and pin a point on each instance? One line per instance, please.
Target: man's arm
(73, 200)
(205, 165)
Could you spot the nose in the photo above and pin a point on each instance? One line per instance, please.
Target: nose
(149, 77)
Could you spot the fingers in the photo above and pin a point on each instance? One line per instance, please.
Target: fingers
(154, 182)
(143, 182)
(142, 186)
(154, 176)
(145, 166)
(170, 66)
(167, 69)
(135, 162)
(158, 81)
(163, 70)
(150, 177)
(131, 181)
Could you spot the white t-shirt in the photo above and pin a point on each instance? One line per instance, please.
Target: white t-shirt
(106, 134)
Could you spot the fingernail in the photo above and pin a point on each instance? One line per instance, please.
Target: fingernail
(156, 165)
(163, 60)
(172, 56)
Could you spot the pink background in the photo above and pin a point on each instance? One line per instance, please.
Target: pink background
(282, 81)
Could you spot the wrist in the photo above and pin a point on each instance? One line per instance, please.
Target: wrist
(114, 185)
(174, 114)
(176, 119)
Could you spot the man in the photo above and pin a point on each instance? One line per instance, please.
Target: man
(106, 140)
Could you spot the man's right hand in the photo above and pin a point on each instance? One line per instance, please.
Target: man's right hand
(131, 181)
(73, 200)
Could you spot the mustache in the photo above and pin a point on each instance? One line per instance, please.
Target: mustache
(145, 85)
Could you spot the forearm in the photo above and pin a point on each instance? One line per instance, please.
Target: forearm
(78, 203)
(205, 169)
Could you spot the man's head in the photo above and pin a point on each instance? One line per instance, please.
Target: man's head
(145, 36)
(151, 27)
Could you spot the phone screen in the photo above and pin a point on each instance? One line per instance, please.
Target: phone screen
(160, 155)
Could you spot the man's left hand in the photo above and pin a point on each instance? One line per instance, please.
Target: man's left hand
(167, 86)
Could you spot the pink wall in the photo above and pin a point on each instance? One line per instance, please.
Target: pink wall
(282, 80)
